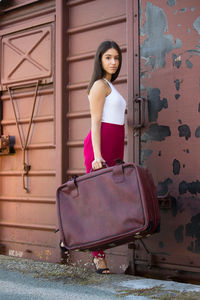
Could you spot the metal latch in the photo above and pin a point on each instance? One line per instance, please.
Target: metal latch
(7, 144)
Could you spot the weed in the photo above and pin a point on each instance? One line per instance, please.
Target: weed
(140, 292)
(176, 295)
(158, 293)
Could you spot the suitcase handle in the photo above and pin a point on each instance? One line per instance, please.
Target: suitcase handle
(118, 161)
(118, 173)
(104, 165)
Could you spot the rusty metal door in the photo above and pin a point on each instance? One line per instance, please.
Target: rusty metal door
(28, 176)
(169, 142)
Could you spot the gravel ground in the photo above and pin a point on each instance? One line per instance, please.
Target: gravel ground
(51, 271)
(23, 279)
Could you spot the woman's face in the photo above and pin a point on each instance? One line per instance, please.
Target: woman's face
(110, 62)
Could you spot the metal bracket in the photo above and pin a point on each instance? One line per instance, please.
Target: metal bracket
(26, 168)
(7, 144)
(149, 255)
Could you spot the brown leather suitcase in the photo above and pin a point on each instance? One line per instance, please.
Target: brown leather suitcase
(107, 208)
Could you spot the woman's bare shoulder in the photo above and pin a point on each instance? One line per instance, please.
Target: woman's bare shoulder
(99, 84)
(99, 87)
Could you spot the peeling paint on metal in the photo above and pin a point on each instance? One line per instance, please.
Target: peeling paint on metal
(177, 84)
(196, 25)
(189, 64)
(184, 131)
(174, 76)
(186, 150)
(193, 52)
(155, 104)
(191, 187)
(198, 46)
(142, 74)
(176, 167)
(197, 132)
(178, 43)
(156, 133)
(140, 12)
(174, 208)
(163, 186)
(142, 88)
(178, 234)
(183, 9)
(193, 230)
(157, 44)
(171, 2)
(177, 96)
(146, 153)
(177, 60)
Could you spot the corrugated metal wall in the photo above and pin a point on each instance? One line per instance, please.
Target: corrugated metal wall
(61, 118)
(28, 219)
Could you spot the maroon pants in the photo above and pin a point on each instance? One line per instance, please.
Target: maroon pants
(112, 148)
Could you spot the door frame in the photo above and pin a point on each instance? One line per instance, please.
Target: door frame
(133, 82)
(133, 92)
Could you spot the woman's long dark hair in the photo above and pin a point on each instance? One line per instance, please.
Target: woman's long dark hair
(98, 71)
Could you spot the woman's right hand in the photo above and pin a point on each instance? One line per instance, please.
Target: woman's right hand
(97, 163)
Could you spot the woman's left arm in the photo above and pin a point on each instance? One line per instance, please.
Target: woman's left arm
(97, 100)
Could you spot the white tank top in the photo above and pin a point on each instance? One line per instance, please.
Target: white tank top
(114, 107)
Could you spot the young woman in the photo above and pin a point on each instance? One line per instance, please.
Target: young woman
(105, 141)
